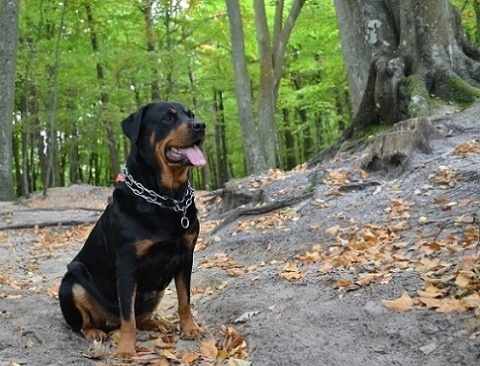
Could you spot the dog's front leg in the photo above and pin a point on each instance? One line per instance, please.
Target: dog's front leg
(126, 296)
(190, 329)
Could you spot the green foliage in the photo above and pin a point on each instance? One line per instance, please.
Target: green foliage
(191, 59)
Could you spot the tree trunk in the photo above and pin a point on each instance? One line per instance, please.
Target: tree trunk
(221, 158)
(147, 14)
(52, 176)
(8, 49)
(254, 158)
(104, 98)
(398, 53)
(289, 140)
(272, 56)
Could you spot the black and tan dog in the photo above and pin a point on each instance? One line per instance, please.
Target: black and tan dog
(145, 237)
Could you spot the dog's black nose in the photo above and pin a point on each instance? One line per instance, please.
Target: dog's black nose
(198, 126)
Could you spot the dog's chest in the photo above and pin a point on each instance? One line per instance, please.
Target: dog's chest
(157, 267)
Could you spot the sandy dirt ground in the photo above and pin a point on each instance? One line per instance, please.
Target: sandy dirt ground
(358, 269)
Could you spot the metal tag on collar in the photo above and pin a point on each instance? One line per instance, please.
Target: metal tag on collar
(185, 222)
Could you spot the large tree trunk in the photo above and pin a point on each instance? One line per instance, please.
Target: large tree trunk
(398, 53)
(8, 48)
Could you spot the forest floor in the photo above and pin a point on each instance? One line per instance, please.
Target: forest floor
(354, 269)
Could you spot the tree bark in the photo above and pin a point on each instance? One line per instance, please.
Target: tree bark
(8, 49)
(254, 157)
(398, 53)
(221, 159)
(104, 98)
(151, 49)
(52, 176)
(272, 56)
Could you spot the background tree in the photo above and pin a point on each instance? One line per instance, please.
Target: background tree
(8, 46)
(272, 47)
(399, 53)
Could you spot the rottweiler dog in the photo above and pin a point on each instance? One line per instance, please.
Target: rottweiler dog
(145, 237)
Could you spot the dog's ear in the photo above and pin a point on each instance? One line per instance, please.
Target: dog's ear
(131, 124)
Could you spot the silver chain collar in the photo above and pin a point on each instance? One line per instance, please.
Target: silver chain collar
(163, 201)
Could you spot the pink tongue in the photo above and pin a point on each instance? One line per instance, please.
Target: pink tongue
(195, 155)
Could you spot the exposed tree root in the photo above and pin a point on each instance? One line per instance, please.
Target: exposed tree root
(259, 210)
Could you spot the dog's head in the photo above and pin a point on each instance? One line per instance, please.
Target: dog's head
(168, 135)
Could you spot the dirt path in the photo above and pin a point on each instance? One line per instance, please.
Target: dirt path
(380, 269)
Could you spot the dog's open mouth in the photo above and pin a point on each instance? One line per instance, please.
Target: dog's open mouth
(186, 155)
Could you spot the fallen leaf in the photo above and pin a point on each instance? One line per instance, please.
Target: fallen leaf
(209, 349)
(403, 303)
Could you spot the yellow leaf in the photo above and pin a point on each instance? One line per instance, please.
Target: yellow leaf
(403, 303)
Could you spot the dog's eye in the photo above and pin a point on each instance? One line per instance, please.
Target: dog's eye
(170, 116)
(190, 114)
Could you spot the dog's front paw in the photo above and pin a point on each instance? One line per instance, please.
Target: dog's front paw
(190, 330)
(94, 334)
(125, 353)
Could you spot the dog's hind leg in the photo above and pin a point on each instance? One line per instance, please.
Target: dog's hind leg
(82, 312)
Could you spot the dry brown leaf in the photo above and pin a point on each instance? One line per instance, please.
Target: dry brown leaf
(53, 291)
(293, 276)
(333, 230)
(161, 344)
(403, 303)
(290, 267)
(209, 349)
(191, 357)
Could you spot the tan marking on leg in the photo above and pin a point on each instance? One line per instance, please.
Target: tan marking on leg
(190, 329)
(128, 334)
(93, 315)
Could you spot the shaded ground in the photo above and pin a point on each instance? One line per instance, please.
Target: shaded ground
(305, 284)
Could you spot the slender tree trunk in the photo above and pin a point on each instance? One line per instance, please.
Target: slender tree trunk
(289, 140)
(104, 97)
(8, 49)
(221, 149)
(151, 49)
(16, 146)
(254, 156)
(52, 144)
(26, 135)
(272, 55)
